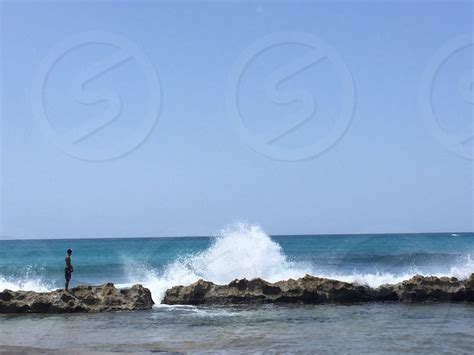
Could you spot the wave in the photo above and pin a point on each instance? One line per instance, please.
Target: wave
(30, 284)
(241, 251)
(28, 278)
(246, 251)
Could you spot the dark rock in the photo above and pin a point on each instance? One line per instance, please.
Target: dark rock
(316, 290)
(430, 289)
(104, 298)
(469, 286)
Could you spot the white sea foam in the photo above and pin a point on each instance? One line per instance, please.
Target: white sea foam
(464, 269)
(461, 271)
(29, 284)
(245, 251)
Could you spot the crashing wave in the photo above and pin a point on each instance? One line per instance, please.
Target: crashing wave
(246, 251)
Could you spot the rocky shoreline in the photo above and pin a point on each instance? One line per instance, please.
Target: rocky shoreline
(316, 290)
(86, 299)
(306, 290)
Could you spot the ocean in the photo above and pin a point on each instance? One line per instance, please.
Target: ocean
(243, 251)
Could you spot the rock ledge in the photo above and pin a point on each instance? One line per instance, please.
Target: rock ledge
(103, 298)
(316, 290)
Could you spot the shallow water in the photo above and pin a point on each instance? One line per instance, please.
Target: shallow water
(374, 328)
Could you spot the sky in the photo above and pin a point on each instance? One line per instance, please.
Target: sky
(154, 118)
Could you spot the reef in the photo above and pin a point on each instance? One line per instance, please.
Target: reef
(316, 290)
(103, 298)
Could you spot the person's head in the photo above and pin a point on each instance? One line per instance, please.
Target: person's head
(69, 251)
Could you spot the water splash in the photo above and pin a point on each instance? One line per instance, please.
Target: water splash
(242, 251)
(246, 251)
(29, 284)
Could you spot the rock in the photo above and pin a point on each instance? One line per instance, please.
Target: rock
(469, 285)
(431, 289)
(104, 298)
(316, 290)
(308, 289)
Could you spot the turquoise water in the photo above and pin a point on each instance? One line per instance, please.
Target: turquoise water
(243, 251)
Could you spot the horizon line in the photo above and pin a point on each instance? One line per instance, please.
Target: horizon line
(6, 238)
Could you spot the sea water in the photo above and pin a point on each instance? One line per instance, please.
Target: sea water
(243, 251)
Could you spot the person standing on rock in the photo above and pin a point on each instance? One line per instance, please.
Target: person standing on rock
(69, 269)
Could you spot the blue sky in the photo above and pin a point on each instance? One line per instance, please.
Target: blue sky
(178, 124)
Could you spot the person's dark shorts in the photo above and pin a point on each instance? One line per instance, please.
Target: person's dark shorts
(67, 274)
